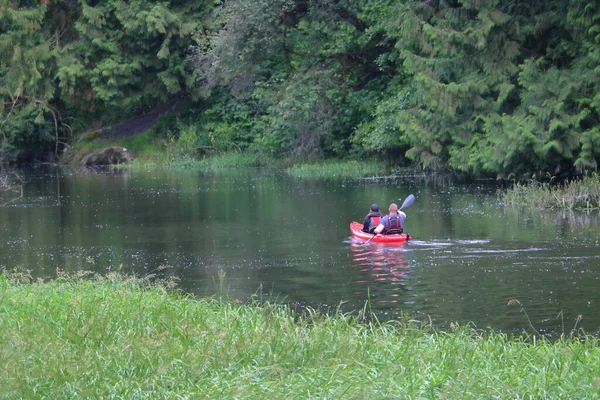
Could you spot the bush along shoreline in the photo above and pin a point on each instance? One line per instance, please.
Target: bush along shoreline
(88, 336)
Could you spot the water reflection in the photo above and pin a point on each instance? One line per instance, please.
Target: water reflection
(381, 272)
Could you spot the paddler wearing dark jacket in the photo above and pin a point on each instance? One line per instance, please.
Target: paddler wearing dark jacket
(372, 219)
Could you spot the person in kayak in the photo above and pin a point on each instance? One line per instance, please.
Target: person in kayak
(391, 223)
(372, 219)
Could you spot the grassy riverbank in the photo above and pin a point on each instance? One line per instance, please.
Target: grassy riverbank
(573, 194)
(115, 337)
(150, 152)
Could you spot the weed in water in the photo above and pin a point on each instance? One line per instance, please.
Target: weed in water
(337, 169)
(572, 194)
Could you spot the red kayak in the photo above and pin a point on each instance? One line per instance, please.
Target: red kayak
(356, 229)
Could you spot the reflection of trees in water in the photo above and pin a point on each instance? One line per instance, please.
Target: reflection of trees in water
(381, 271)
(571, 221)
(11, 187)
(567, 221)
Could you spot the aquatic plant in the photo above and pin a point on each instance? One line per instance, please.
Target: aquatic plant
(571, 194)
(217, 162)
(229, 160)
(336, 169)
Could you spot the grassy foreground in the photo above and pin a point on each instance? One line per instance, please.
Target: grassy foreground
(112, 337)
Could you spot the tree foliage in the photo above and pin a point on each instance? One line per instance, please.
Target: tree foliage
(486, 87)
(496, 87)
(27, 63)
(299, 65)
(70, 60)
(555, 125)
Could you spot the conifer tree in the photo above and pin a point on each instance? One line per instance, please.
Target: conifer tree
(75, 60)
(462, 59)
(28, 112)
(492, 87)
(555, 126)
(131, 53)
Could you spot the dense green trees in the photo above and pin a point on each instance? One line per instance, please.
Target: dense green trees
(495, 87)
(300, 68)
(26, 69)
(487, 87)
(68, 64)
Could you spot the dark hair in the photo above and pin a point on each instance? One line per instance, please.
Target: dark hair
(374, 207)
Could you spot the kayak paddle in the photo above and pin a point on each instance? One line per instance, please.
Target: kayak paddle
(409, 200)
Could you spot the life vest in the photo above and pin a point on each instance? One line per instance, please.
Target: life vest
(373, 222)
(395, 225)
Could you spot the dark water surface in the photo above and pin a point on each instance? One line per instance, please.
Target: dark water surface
(288, 239)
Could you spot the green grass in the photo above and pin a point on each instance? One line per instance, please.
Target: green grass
(228, 160)
(572, 194)
(217, 162)
(337, 169)
(151, 153)
(139, 145)
(115, 337)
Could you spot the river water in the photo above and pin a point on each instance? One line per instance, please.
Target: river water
(285, 239)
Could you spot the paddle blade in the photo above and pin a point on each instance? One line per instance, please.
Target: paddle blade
(409, 200)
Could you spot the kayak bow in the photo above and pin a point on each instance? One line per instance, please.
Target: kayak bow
(356, 229)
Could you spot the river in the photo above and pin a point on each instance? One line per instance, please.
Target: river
(265, 235)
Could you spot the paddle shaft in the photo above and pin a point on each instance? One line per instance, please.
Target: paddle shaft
(409, 200)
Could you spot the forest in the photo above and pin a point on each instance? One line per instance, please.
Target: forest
(490, 88)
